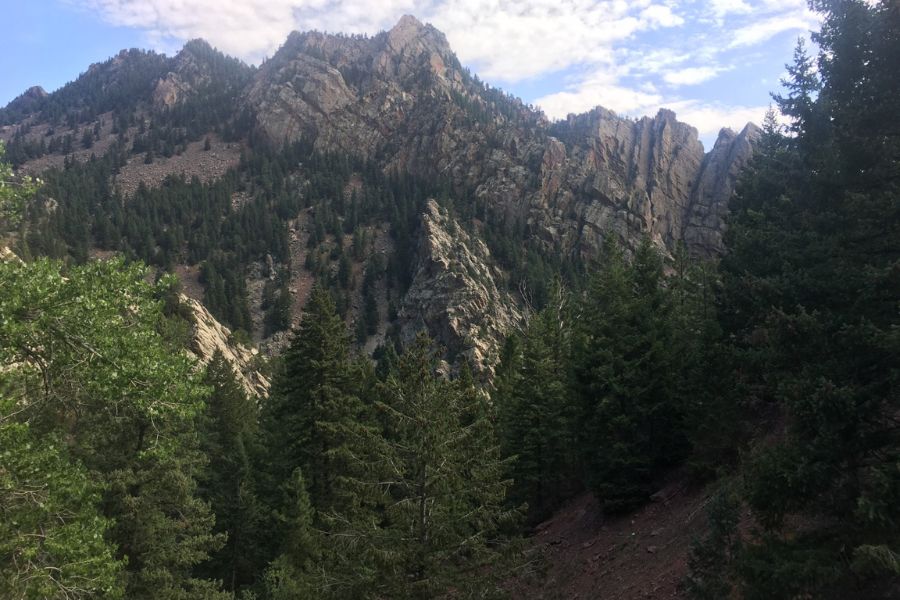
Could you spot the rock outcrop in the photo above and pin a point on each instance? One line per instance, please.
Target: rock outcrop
(401, 98)
(454, 295)
(190, 72)
(209, 336)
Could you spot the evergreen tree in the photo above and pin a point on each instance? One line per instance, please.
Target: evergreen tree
(810, 292)
(631, 425)
(536, 410)
(314, 391)
(297, 571)
(434, 472)
(227, 438)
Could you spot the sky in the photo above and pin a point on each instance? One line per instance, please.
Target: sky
(714, 62)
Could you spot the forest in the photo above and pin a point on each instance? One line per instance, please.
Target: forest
(770, 376)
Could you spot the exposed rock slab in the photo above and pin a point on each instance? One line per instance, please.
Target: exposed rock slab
(209, 336)
(454, 295)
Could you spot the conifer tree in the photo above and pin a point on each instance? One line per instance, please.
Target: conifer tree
(298, 571)
(314, 392)
(809, 301)
(536, 410)
(631, 424)
(227, 437)
(435, 472)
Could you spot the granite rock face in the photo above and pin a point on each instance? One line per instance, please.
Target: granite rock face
(454, 295)
(190, 73)
(208, 336)
(401, 98)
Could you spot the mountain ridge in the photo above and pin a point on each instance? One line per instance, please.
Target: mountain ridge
(402, 103)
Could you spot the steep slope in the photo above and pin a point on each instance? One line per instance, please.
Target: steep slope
(398, 104)
(454, 294)
(402, 99)
(208, 336)
(642, 555)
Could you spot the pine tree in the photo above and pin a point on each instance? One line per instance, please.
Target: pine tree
(315, 390)
(227, 438)
(297, 572)
(631, 422)
(435, 472)
(810, 301)
(536, 410)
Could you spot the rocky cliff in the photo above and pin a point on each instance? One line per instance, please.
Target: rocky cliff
(454, 294)
(209, 336)
(402, 99)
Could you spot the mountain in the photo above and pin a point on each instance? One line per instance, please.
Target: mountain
(471, 198)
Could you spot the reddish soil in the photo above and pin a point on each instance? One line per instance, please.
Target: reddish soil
(640, 555)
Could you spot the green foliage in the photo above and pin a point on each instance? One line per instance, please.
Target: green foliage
(536, 412)
(297, 571)
(711, 558)
(434, 473)
(630, 411)
(227, 438)
(14, 191)
(98, 374)
(810, 301)
(53, 537)
(314, 393)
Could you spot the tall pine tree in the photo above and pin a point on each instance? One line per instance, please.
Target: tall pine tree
(434, 473)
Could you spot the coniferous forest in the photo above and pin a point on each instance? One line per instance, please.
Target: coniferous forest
(769, 377)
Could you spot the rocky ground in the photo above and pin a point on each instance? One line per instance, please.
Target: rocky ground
(642, 555)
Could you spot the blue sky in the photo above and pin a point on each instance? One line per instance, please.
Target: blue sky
(713, 62)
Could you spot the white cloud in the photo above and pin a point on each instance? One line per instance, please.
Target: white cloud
(601, 91)
(691, 75)
(709, 118)
(512, 40)
(661, 16)
(722, 8)
(765, 29)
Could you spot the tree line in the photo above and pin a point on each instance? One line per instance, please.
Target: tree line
(770, 377)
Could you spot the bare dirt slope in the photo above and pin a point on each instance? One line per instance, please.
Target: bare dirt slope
(639, 555)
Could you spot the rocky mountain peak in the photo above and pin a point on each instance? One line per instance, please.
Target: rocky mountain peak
(36, 92)
(196, 46)
(411, 36)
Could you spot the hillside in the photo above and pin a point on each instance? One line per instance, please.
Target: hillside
(411, 121)
(352, 324)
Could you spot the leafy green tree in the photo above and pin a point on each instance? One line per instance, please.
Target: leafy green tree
(126, 403)
(54, 539)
